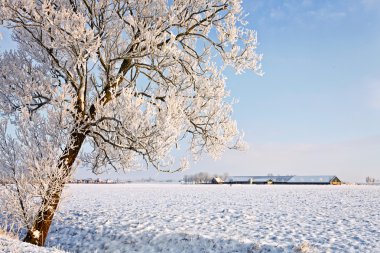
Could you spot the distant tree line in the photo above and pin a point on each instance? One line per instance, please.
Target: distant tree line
(370, 180)
(203, 178)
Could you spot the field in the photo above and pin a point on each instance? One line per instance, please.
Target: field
(218, 218)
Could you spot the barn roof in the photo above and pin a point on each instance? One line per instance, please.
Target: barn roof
(311, 179)
(259, 178)
(218, 180)
(282, 179)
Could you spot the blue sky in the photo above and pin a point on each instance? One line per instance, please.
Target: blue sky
(317, 108)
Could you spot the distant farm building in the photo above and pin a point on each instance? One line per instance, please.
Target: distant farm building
(315, 180)
(217, 180)
(319, 180)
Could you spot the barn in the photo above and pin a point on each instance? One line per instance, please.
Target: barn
(257, 179)
(315, 180)
(320, 180)
(217, 180)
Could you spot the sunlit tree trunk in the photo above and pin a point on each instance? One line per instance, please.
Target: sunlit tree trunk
(38, 233)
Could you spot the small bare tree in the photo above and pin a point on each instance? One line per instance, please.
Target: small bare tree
(132, 79)
(370, 180)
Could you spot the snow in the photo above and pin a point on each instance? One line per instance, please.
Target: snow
(215, 218)
(10, 245)
(36, 234)
(218, 218)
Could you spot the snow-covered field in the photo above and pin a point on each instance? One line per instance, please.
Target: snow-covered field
(11, 245)
(218, 218)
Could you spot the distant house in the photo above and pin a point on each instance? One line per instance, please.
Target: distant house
(88, 181)
(321, 180)
(217, 180)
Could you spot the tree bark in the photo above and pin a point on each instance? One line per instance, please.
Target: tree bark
(38, 233)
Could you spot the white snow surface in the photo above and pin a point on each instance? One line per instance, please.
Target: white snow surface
(217, 218)
(10, 245)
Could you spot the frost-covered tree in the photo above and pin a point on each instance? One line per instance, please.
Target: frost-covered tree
(132, 80)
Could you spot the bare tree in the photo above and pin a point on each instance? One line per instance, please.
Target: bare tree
(30, 168)
(225, 176)
(131, 79)
(370, 180)
(203, 177)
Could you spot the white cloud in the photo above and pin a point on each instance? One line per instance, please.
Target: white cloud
(277, 13)
(371, 4)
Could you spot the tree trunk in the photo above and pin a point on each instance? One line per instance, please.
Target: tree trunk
(38, 233)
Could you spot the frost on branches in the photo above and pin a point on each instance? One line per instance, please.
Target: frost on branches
(132, 80)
